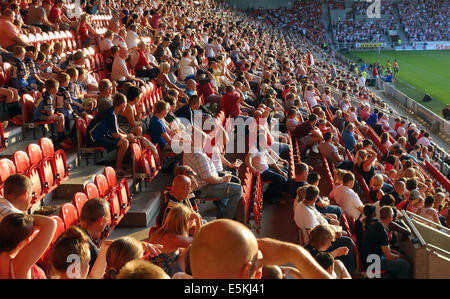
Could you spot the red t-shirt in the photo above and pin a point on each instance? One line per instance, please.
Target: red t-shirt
(142, 61)
(83, 31)
(205, 89)
(54, 14)
(230, 104)
(155, 21)
(303, 129)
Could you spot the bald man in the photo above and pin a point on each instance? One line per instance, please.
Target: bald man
(239, 255)
(178, 194)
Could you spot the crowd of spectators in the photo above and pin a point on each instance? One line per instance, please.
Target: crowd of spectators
(425, 20)
(275, 78)
(371, 31)
(360, 7)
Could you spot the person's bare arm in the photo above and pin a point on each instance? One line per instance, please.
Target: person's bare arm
(31, 252)
(281, 253)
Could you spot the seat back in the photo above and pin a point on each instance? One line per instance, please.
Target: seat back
(7, 168)
(68, 215)
(47, 172)
(22, 161)
(47, 147)
(88, 119)
(91, 191)
(61, 167)
(110, 175)
(27, 106)
(102, 185)
(124, 196)
(79, 199)
(114, 205)
(34, 174)
(81, 132)
(34, 153)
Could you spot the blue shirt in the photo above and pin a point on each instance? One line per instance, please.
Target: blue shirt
(372, 120)
(104, 124)
(349, 140)
(155, 130)
(44, 105)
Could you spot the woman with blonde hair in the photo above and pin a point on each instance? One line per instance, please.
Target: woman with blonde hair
(376, 183)
(174, 236)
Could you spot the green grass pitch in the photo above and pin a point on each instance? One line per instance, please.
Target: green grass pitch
(420, 72)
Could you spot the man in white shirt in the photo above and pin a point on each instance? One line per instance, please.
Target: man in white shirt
(119, 68)
(424, 140)
(348, 199)
(132, 37)
(17, 195)
(187, 65)
(361, 81)
(79, 60)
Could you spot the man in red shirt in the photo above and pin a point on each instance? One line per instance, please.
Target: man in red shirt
(57, 16)
(230, 102)
(143, 67)
(307, 133)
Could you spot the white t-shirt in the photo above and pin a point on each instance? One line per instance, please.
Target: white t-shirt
(7, 208)
(185, 68)
(348, 200)
(259, 160)
(424, 141)
(309, 97)
(105, 44)
(132, 39)
(119, 69)
(291, 124)
(307, 218)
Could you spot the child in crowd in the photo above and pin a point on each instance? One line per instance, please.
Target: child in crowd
(30, 58)
(44, 110)
(57, 56)
(20, 75)
(89, 103)
(64, 100)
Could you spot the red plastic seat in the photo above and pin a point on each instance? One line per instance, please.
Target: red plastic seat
(111, 177)
(48, 175)
(79, 199)
(102, 185)
(43, 261)
(124, 196)
(88, 118)
(91, 191)
(115, 208)
(81, 126)
(46, 144)
(34, 153)
(61, 168)
(27, 114)
(69, 215)
(35, 175)
(21, 161)
(7, 168)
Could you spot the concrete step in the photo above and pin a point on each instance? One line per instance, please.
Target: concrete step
(78, 177)
(143, 211)
(13, 134)
(16, 146)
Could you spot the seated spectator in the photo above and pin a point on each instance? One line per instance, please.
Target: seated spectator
(330, 150)
(139, 269)
(188, 66)
(103, 131)
(10, 35)
(241, 255)
(85, 32)
(20, 75)
(79, 60)
(37, 16)
(376, 185)
(75, 241)
(307, 134)
(124, 250)
(376, 241)
(156, 128)
(130, 120)
(230, 102)
(323, 203)
(120, 72)
(364, 164)
(261, 159)
(321, 238)
(94, 217)
(210, 184)
(349, 137)
(106, 90)
(20, 249)
(348, 199)
(145, 68)
(57, 16)
(301, 175)
(361, 224)
(16, 195)
(174, 237)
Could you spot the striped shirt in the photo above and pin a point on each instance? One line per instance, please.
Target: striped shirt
(202, 165)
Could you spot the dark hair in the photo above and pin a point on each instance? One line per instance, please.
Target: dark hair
(132, 93)
(411, 184)
(311, 193)
(119, 99)
(348, 177)
(300, 168)
(93, 209)
(325, 259)
(327, 136)
(14, 228)
(16, 185)
(429, 201)
(313, 177)
(386, 200)
(367, 142)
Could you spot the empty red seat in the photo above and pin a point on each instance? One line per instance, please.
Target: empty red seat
(7, 168)
(48, 175)
(102, 185)
(110, 175)
(21, 161)
(34, 153)
(60, 166)
(79, 199)
(91, 191)
(114, 205)
(69, 215)
(47, 148)
(124, 196)
(43, 261)
(35, 175)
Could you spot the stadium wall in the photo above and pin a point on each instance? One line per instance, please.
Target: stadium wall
(265, 4)
(420, 46)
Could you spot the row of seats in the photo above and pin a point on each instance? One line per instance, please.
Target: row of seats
(46, 168)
